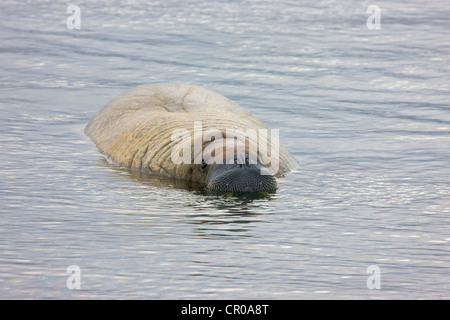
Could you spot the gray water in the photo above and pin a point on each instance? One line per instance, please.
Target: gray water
(365, 112)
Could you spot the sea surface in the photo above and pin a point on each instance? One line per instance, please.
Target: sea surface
(362, 103)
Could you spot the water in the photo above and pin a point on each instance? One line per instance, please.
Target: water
(365, 112)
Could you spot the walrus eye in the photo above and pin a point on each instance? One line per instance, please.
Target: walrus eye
(203, 167)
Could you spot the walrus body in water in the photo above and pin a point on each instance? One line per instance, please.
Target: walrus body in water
(189, 132)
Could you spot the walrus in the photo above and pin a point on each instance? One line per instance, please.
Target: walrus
(192, 133)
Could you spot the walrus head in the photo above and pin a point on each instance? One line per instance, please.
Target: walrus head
(240, 172)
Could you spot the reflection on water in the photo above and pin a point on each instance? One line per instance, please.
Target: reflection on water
(213, 214)
(219, 200)
(155, 181)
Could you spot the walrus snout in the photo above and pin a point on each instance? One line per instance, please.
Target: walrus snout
(240, 178)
